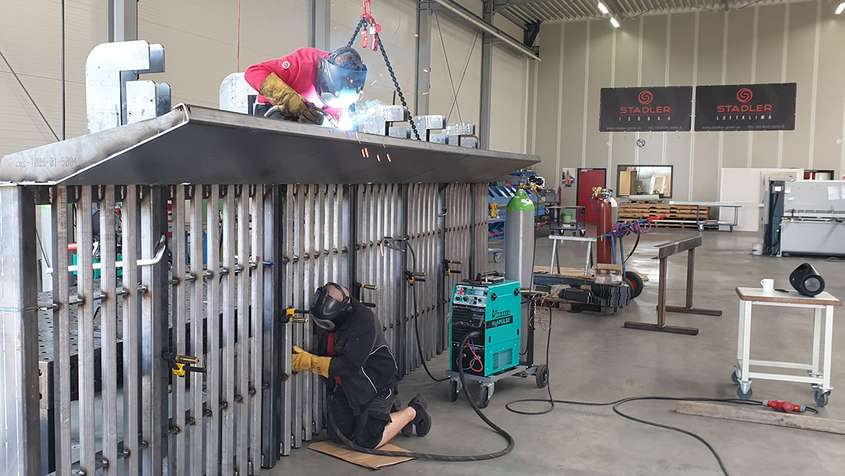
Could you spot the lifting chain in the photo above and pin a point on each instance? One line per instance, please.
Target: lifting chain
(371, 35)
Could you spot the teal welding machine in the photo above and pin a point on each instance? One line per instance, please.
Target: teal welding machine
(493, 309)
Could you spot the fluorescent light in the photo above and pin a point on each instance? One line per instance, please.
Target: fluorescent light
(614, 22)
(840, 8)
(603, 8)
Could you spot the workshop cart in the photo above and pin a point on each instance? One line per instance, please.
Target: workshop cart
(818, 370)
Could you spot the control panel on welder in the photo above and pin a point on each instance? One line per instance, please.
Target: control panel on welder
(493, 310)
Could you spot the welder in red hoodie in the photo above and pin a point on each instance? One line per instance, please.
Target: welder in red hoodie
(309, 83)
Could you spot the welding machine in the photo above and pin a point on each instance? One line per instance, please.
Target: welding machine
(493, 308)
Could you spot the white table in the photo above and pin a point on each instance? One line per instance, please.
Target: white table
(818, 370)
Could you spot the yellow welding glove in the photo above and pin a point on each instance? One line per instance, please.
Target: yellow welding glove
(290, 103)
(306, 361)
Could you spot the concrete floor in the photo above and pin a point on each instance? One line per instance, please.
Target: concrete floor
(594, 358)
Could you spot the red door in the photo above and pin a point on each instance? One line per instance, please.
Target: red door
(587, 179)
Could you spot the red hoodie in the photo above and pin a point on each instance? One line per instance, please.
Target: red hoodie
(298, 70)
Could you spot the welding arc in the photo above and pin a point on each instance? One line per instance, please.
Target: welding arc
(434, 456)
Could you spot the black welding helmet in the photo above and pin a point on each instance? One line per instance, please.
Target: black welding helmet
(340, 78)
(331, 302)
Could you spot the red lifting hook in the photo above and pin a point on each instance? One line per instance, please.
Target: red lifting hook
(370, 31)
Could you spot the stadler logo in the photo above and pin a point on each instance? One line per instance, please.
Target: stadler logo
(646, 97)
(645, 108)
(744, 95)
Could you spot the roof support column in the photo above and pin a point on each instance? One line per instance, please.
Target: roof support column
(486, 77)
(423, 72)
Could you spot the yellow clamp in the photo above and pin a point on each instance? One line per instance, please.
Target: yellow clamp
(294, 315)
(179, 370)
(494, 210)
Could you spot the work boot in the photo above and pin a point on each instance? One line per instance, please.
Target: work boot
(422, 422)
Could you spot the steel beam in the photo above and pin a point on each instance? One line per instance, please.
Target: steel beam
(486, 77)
(423, 72)
(321, 24)
(123, 20)
(21, 434)
(486, 26)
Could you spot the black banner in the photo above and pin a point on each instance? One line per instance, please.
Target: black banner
(745, 107)
(646, 109)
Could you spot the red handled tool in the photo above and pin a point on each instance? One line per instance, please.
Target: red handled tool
(784, 406)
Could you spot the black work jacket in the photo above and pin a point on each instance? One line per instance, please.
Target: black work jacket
(362, 364)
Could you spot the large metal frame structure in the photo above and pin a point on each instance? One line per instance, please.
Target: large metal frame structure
(257, 213)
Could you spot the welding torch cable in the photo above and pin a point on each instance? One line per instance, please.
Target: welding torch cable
(434, 456)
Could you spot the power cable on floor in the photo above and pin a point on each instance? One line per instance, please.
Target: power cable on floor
(617, 404)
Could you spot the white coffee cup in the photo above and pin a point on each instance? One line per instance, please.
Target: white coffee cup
(768, 285)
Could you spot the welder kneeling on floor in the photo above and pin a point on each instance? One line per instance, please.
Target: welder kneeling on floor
(361, 372)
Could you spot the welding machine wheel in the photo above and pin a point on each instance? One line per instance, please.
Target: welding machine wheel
(483, 396)
(541, 374)
(635, 282)
(454, 391)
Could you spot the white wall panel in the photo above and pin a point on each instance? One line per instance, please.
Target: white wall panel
(30, 37)
(799, 42)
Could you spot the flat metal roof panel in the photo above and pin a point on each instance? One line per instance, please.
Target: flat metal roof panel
(212, 146)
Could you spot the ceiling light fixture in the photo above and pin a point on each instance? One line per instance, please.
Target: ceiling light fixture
(614, 22)
(840, 8)
(603, 8)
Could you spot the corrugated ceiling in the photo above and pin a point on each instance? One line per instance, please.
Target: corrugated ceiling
(528, 11)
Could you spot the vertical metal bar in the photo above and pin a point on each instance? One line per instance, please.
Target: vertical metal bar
(828, 346)
(61, 329)
(227, 397)
(440, 308)
(423, 57)
(19, 407)
(319, 278)
(154, 332)
(308, 248)
(257, 317)
(815, 353)
(177, 457)
(197, 326)
(297, 278)
(401, 227)
(661, 292)
(276, 398)
(690, 275)
(241, 406)
(108, 328)
(131, 332)
(351, 233)
(85, 316)
(212, 329)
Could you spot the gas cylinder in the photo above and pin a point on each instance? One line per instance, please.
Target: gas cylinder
(607, 217)
(519, 240)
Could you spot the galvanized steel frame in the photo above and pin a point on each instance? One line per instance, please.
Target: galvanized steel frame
(239, 255)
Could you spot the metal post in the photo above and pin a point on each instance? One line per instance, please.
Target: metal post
(423, 60)
(61, 330)
(442, 269)
(20, 438)
(123, 20)
(177, 460)
(486, 78)
(154, 331)
(690, 275)
(402, 310)
(321, 24)
(131, 332)
(108, 329)
(661, 293)
(85, 316)
(276, 398)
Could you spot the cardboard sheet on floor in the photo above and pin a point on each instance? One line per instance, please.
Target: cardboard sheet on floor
(361, 459)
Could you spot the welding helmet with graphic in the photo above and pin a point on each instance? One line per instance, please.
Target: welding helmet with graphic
(330, 304)
(340, 78)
